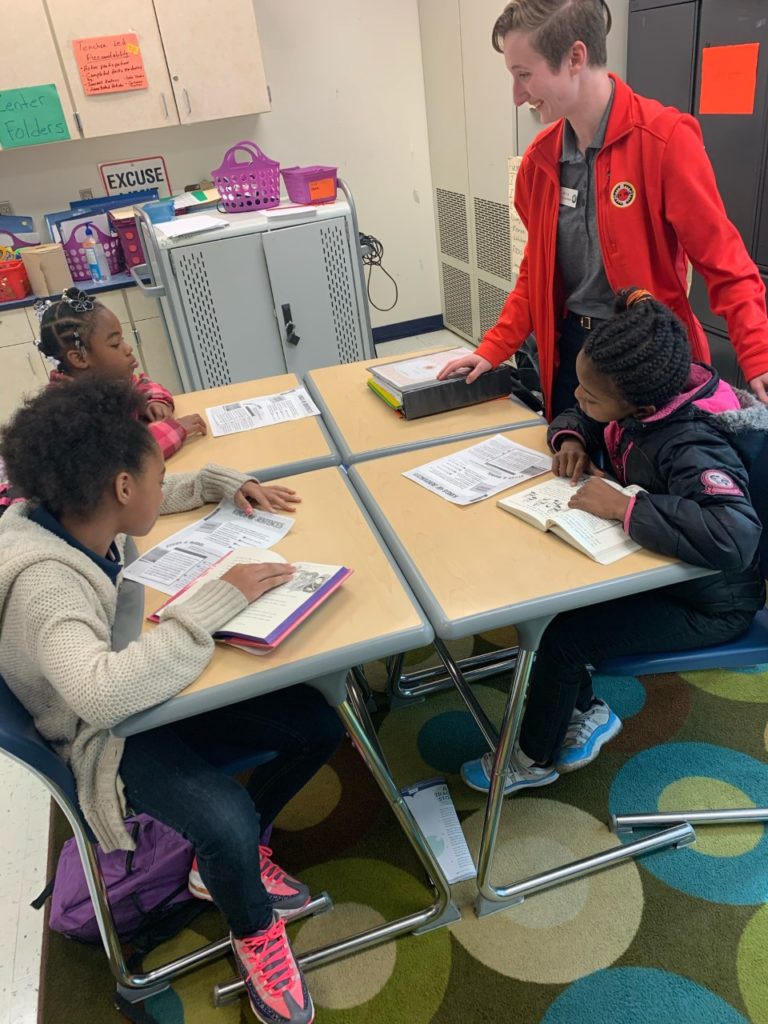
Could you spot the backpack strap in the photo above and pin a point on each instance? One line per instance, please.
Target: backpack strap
(38, 901)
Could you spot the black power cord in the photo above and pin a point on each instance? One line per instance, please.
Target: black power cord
(373, 254)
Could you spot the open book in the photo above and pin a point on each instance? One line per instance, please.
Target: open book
(545, 506)
(270, 618)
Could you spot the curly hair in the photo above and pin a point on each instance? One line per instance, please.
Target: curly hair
(643, 349)
(64, 327)
(555, 25)
(64, 446)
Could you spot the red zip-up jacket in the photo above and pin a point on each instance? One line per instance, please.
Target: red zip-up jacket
(657, 203)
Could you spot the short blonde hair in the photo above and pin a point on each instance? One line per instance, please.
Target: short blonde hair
(555, 25)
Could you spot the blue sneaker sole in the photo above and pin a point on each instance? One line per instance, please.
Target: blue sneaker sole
(611, 730)
(546, 780)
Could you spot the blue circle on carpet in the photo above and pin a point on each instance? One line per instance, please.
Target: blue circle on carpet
(737, 880)
(625, 695)
(449, 739)
(639, 995)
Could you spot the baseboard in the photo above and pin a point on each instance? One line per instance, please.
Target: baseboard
(408, 328)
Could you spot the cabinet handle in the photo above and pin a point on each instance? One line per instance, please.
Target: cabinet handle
(186, 98)
(291, 337)
(165, 105)
(29, 360)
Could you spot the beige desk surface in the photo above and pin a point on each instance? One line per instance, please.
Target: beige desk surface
(363, 425)
(478, 567)
(280, 447)
(372, 615)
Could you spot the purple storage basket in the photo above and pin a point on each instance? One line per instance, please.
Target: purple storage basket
(75, 253)
(248, 185)
(313, 185)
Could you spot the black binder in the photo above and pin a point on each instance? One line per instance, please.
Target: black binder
(443, 396)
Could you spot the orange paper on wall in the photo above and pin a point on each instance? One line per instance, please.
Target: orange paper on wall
(110, 63)
(728, 79)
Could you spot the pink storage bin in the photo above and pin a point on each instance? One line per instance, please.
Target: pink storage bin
(75, 253)
(130, 242)
(249, 185)
(312, 185)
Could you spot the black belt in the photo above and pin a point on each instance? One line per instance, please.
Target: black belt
(588, 323)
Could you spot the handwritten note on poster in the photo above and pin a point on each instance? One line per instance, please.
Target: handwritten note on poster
(728, 79)
(110, 63)
(518, 234)
(31, 116)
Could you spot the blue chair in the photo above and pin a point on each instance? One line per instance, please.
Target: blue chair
(20, 741)
(746, 652)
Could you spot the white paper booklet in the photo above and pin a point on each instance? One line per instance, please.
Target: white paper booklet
(181, 558)
(545, 506)
(190, 224)
(251, 413)
(418, 371)
(486, 468)
(431, 805)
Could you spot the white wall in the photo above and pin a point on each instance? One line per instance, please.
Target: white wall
(347, 89)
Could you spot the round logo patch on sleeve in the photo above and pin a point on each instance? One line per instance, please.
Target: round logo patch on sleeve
(623, 194)
(715, 481)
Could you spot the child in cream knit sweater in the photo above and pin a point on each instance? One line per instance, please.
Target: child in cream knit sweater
(63, 605)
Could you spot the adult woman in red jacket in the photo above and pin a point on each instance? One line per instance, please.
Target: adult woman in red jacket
(617, 190)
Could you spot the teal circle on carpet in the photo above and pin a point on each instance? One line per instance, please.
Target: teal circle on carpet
(449, 739)
(639, 995)
(625, 695)
(737, 880)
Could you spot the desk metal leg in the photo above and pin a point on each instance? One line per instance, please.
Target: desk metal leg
(442, 911)
(623, 824)
(405, 688)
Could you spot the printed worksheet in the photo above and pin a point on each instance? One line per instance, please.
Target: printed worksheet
(181, 558)
(251, 413)
(475, 473)
(431, 805)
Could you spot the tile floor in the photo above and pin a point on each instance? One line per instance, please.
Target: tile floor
(24, 809)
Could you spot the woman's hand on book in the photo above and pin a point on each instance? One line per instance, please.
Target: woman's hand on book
(599, 498)
(272, 499)
(571, 460)
(253, 580)
(476, 365)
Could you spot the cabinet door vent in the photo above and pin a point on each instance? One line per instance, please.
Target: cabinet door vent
(457, 299)
(491, 299)
(452, 224)
(342, 298)
(492, 242)
(202, 320)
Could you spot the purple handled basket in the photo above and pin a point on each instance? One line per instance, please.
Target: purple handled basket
(245, 186)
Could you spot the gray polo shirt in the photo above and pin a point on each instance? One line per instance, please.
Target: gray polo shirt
(578, 246)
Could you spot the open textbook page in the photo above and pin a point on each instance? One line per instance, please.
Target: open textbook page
(545, 506)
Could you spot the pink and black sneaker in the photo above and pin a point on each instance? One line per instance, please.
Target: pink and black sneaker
(286, 894)
(274, 982)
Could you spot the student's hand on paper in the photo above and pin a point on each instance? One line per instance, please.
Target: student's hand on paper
(476, 365)
(572, 460)
(271, 499)
(254, 580)
(193, 424)
(599, 498)
(157, 411)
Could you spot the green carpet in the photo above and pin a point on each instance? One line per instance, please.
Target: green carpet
(678, 936)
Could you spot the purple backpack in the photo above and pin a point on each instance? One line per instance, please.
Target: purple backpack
(142, 885)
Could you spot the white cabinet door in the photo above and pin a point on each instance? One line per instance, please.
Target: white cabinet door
(22, 374)
(114, 112)
(28, 57)
(15, 327)
(214, 58)
(154, 351)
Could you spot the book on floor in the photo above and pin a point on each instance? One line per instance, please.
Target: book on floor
(545, 506)
(268, 620)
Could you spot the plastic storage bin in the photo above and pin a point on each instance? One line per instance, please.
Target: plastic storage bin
(247, 186)
(75, 253)
(14, 282)
(310, 184)
(130, 242)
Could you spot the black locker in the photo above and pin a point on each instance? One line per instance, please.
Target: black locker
(661, 50)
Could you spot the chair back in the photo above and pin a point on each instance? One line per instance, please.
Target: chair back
(20, 739)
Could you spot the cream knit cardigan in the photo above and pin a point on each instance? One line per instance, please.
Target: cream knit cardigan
(57, 610)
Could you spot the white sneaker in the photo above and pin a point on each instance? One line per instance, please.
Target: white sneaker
(587, 732)
(477, 775)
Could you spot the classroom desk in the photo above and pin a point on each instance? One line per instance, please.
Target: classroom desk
(373, 615)
(364, 427)
(268, 452)
(477, 568)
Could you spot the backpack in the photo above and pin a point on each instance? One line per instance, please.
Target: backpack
(143, 885)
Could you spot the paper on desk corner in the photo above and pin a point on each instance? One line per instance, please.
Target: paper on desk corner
(265, 411)
(431, 805)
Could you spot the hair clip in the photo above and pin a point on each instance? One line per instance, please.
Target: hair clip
(78, 300)
(40, 307)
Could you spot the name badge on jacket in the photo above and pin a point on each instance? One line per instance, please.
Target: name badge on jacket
(568, 197)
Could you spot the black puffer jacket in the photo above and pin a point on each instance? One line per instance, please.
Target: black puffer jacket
(692, 457)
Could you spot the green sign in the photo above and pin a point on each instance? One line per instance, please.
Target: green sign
(31, 116)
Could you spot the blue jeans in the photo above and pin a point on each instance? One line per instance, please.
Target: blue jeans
(166, 774)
